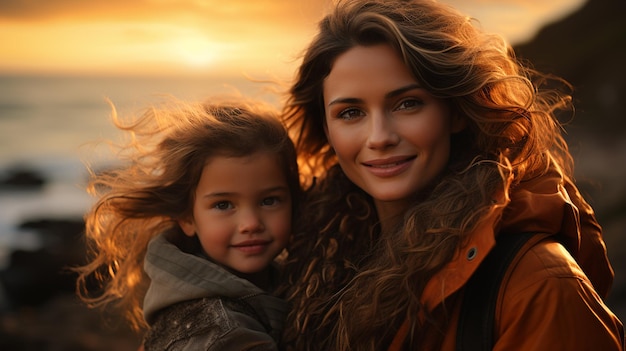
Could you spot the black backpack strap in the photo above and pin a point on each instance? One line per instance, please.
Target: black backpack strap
(476, 321)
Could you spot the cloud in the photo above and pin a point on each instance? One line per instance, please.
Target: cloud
(224, 34)
(516, 20)
(27, 10)
(284, 11)
(239, 20)
(266, 34)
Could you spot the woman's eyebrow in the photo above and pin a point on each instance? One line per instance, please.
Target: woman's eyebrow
(345, 101)
(390, 94)
(402, 90)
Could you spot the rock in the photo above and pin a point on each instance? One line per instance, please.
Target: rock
(21, 178)
(33, 277)
(587, 48)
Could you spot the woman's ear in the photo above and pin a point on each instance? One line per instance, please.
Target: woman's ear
(458, 123)
(188, 226)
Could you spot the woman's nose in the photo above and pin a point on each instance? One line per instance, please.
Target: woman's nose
(382, 133)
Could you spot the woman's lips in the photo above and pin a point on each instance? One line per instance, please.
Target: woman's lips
(389, 167)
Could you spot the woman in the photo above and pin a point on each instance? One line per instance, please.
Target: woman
(428, 140)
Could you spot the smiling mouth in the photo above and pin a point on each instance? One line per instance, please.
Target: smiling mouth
(389, 163)
(389, 167)
(252, 247)
(252, 243)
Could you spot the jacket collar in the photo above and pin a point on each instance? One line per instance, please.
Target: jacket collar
(177, 276)
(547, 204)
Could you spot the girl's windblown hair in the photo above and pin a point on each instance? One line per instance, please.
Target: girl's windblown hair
(154, 187)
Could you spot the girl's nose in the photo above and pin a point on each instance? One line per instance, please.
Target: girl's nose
(382, 133)
(250, 222)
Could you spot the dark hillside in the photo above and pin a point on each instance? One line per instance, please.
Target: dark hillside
(588, 48)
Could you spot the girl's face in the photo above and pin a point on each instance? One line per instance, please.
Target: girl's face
(390, 135)
(242, 211)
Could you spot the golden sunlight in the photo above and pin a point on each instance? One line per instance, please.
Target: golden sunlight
(165, 45)
(190, 37)
(180, 48)
(196, 51)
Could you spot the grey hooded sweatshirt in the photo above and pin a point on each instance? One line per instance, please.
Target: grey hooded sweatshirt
(194, 304)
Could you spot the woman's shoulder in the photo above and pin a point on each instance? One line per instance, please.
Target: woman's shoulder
(540, 262)
(546, 294)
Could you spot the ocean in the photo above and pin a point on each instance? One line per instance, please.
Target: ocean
(51, 125)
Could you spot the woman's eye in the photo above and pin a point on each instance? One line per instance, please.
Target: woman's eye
(270, 201)
(409, 104)
(349, 114)
(223, 205)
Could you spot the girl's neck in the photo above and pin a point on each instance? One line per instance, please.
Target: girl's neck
(263, 279)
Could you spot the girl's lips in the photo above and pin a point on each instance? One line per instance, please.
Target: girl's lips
(252, 246)
(389, 167)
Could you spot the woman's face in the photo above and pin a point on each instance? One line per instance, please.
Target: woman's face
(390, 135)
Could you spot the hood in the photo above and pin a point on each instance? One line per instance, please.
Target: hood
(552, 204)
(178, 276)
(549, 204)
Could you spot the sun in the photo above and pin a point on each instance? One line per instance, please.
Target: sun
(196, 51)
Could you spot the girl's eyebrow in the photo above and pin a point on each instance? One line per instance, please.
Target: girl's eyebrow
(221, 194)
(390, 94)
(264, 191)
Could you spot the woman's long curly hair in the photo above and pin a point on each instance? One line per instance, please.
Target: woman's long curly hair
(155, 187)
(350, 284)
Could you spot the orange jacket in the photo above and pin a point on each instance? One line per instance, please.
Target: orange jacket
(551, 297)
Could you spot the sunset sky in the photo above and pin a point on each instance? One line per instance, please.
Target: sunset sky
(212, 37)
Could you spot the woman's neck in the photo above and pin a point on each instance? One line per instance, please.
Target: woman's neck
(390, 212)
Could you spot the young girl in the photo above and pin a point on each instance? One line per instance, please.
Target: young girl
(204, 204)
(432, 145)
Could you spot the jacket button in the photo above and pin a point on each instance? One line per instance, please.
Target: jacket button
(471, 253)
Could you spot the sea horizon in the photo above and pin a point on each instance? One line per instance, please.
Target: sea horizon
(55, 126)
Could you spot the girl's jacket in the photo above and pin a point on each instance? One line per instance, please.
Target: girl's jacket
(194, 304)
(551, 298)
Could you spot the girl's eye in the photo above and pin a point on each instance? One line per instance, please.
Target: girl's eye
(223, 205)
(408, 104)
(270, 201)
(350, 114)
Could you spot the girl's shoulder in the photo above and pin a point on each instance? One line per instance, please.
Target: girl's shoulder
(177, 324)
(212, 323)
